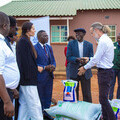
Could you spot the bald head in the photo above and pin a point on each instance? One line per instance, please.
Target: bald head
(4, 24)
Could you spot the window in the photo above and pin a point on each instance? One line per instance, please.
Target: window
(112, 34)
(58, 33)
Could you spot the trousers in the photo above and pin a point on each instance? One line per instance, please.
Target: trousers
(30, 106)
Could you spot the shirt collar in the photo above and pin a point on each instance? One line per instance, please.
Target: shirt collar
(102, 36)
(41, 44)
(2, 37)
(81, 42)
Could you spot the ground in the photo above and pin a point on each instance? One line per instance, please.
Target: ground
(58, 89)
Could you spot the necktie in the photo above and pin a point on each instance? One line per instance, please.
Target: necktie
(45, 50)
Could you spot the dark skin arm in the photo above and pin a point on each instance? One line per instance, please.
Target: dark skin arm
(15, 94)
(8, 105)
(50, 68)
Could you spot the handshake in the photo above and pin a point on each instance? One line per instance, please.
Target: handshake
(82, 60)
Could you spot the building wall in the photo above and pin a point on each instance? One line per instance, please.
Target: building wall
(58, 48)
(83, 19)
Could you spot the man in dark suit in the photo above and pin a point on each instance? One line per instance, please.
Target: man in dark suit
(46, 65)
(75, 50)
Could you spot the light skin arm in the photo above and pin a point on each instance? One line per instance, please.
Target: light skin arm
(40, 69)
(8, 105)
(81, 71)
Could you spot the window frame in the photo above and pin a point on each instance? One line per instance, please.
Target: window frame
(59, 36)
(115, 32)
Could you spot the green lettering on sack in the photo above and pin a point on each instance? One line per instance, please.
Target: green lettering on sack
(71, 84)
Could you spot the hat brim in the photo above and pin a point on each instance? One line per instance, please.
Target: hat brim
(80, 31)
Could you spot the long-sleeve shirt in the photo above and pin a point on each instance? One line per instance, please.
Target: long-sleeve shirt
(104, 55)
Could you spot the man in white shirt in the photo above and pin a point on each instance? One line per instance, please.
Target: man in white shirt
(103, 59)
(9, 73)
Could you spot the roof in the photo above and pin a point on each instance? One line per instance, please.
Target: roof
(56, 7)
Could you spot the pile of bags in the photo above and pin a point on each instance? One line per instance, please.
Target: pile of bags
(70, 109)
(75, 111)
(115, 103)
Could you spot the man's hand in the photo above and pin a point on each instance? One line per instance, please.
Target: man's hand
(84, 59)
(9, 109)
(48, 67)
(52, 68)
(81, 71)
(15, 93)
(40, 69)
(78, 59)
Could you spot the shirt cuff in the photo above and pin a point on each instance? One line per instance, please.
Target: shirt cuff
(86, 67)
(90, 58)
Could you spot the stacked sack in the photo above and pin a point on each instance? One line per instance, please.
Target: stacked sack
(75, 111)
(70, 109)
(69, 92)
(115, 103)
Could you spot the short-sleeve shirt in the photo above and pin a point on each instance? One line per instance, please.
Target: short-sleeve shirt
(8, 65)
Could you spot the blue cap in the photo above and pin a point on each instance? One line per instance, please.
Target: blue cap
(80, 29)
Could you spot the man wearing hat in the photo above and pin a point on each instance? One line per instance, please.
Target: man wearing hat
(116, 69)
(75, 50)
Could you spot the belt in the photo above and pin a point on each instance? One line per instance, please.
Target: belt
(104, 69)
